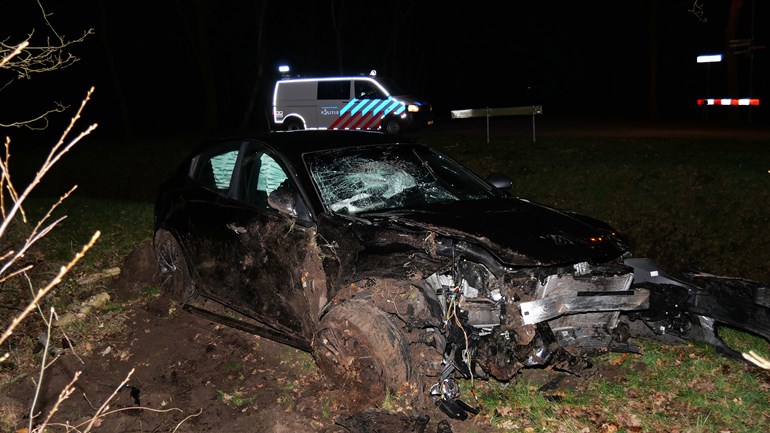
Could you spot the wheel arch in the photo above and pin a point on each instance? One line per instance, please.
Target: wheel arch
(293, 119)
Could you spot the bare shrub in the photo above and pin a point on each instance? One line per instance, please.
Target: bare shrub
(24, 60)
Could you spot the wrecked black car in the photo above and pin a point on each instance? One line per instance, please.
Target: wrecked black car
(399, 269)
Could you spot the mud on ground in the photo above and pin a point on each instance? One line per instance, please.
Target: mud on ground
(161, 369)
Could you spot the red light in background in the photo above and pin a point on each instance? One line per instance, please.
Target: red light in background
(729, 101)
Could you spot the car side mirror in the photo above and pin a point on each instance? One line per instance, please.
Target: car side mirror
(499, 181)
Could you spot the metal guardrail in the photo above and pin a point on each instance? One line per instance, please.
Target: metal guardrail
(505, 111)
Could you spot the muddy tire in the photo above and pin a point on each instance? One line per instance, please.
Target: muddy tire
(173, 272)
(362, 352)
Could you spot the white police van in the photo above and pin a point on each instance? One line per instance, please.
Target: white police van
(354, 102)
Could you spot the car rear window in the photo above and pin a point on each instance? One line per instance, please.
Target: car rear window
(216, 169)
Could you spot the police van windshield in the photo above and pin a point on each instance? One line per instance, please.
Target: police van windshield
(368, 90)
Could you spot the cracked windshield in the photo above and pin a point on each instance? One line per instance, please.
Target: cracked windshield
(368, 180)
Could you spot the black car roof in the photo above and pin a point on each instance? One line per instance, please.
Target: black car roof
(293, 144)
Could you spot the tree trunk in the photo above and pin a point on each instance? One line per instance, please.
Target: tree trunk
(198, 35)
(114, 73)
(337, 17)
(653, 89)
(731, 59)
(260, 72)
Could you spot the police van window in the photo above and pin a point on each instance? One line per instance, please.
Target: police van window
(367, 90)
(338, 89)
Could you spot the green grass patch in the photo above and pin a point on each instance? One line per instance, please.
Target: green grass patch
(152, 291)
(236, 398)
(667, 388)
(684, 202)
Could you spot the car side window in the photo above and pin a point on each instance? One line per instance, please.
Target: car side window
(264, 184)
(264, 176)
(216, 169)
(270, 175)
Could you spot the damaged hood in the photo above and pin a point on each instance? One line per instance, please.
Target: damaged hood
(518, 232)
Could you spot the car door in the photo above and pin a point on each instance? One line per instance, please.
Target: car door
(251, 255)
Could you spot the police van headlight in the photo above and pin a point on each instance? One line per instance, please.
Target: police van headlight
(413, 108)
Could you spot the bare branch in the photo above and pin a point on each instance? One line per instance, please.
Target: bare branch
(38, 123)
(26, 59)
(42, 371)
(45, 290)
(15, 273)
(5, 180)
(133, 408)
(200, 411)
(53, 156)
(13, 53)
(104, 405)
(63, 395)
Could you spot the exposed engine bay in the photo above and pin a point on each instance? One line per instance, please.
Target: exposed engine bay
(496, 323)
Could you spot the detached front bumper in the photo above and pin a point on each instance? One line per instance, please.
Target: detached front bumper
(565, 295)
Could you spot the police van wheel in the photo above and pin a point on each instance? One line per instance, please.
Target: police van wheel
(393, 127)
(294, 125)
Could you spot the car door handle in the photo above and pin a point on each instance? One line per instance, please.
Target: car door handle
(237, 229)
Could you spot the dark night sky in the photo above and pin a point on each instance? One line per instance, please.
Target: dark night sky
(150, 61)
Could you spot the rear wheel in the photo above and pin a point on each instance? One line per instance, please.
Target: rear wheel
(173, 272)
(294, 125)
(362, 351)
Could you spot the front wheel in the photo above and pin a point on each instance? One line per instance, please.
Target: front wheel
(393, 126)
(363, 352)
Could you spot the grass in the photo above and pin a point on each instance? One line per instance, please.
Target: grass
(236, 398)
(685, 202)
(686, 389)
(123, 225)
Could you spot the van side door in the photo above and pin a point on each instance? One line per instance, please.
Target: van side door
(333, 95)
